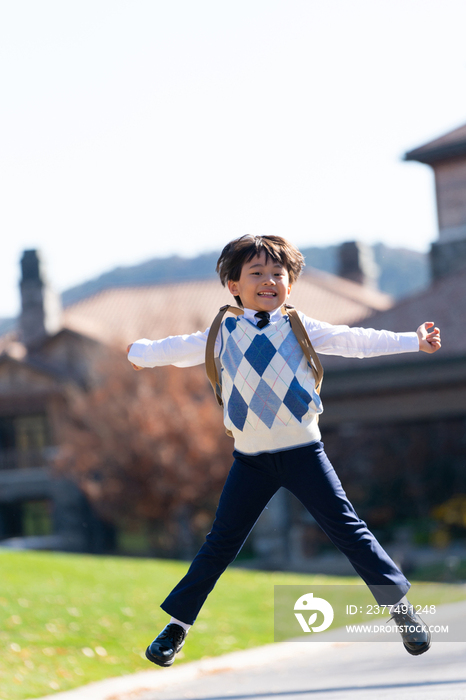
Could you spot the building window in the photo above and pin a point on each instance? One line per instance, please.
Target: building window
(25, 519)
(23, 440)
(31, 433)
(37, 520)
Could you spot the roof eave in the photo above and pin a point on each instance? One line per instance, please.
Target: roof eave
(437, 154)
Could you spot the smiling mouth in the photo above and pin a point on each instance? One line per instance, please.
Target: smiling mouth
(267, 294)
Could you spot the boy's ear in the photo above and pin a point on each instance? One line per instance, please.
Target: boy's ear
(233, 288)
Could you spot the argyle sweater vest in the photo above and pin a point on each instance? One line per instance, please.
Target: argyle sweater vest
(268, 388)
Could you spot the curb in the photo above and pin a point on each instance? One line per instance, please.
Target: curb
(137, 684)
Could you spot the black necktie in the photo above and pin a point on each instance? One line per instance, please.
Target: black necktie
(264, 318)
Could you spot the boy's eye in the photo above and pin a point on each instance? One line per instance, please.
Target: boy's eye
(275, 274)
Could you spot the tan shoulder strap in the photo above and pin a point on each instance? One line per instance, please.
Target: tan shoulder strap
(303, 339)
(210, 364)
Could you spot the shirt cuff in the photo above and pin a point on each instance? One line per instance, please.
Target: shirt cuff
(138, 354)
(409, 342)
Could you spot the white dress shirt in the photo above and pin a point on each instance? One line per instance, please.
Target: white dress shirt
(189, 350)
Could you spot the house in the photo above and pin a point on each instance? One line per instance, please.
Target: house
(36, 362)
(447, 157)
(396, 426)
(53, 348)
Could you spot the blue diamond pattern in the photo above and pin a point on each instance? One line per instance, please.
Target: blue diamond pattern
(259, 353)
(291, 351)
(265, 403)
(297, 400)
(237, 409)
(230, 324)
(232, 357)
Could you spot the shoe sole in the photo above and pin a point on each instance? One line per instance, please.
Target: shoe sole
(158, 662)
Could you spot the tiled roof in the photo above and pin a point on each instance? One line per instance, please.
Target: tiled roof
(122, 315)
(444, 303)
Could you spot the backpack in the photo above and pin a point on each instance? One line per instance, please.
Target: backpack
(211, 363)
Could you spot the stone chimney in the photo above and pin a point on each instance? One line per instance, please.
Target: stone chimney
(447, 157)
(356, 262)
(40, 306)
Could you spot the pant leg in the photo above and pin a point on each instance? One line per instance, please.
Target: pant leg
(249, 487)
(313, 480)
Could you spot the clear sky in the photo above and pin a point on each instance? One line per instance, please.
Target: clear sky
(132, 129)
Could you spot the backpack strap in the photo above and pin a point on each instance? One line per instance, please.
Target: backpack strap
(303, 339)
(210, 364)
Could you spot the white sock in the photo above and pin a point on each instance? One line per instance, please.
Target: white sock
(403, 602)
(185, 626)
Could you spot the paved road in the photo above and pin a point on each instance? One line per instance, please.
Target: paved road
(326, 670)
(357, 671)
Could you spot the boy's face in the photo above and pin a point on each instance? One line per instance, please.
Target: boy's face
(263, 285)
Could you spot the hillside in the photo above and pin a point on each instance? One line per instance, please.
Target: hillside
(402, 271)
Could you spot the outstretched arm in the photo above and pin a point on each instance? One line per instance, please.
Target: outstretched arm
(429, 341)
(358, 342)
(177, 350)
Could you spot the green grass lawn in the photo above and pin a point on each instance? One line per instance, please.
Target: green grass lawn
(67, 620)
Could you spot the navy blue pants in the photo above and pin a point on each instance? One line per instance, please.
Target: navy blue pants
(252, 481)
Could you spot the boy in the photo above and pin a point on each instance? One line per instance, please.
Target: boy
(271, 408)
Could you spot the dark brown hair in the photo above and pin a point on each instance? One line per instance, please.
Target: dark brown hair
(242, 250)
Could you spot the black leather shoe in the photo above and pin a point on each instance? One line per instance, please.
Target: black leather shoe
(164, 647)
(414, 632)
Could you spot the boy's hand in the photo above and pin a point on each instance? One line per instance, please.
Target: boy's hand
(132, 365)
(429, 341)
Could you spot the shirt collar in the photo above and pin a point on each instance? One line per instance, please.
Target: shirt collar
(275, 316)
